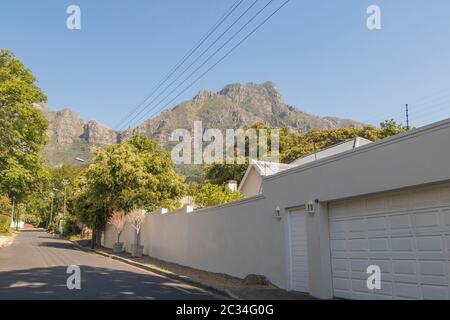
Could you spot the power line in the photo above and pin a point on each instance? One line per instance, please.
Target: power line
(223, 57)
(207, 60)
(185, 57)
(416, 108)
(432, 108)
(443, 107)
(201, 55)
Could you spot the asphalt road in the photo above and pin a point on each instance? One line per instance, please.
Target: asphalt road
(35, 266)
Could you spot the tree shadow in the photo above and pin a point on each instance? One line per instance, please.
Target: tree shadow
(96, 284)
(58, 245)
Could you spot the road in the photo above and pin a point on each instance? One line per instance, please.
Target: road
(35, 266)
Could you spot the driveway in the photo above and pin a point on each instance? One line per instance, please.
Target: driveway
(35, 266)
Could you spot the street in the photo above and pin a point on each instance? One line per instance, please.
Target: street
(35, 266)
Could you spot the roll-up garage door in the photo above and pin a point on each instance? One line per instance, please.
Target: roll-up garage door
(406, 234)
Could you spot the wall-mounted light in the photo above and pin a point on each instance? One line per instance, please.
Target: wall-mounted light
(278, 213)
(310, 208)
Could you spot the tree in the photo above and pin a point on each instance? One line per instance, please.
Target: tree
(134, 173)
(136, 218)
(296, 145)
(118, 221)
(5, 205)
(391, 128)
(213, 194)
(23, 128)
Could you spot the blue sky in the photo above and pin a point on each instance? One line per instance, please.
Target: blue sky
(320, 54)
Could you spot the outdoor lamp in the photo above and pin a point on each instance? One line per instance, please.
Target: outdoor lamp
(278, 213)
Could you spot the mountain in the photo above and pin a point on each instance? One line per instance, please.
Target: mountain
(70, 137)
(234, 106)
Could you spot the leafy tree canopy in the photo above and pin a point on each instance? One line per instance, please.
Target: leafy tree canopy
(22, 128)
(134, 173)
(296, 145)
(212, 194)
(5, 205)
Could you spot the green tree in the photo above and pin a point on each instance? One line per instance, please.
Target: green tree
(294, 145)
(391, 128)
(22, 128)
(213, 194)
(5, 207)
(134, 173)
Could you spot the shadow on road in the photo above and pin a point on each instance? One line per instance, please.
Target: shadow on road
(58, 245)
(96, 283)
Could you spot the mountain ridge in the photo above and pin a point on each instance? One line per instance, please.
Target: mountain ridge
(232, 107)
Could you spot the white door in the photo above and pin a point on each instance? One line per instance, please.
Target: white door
(406, 234)
(298, 251)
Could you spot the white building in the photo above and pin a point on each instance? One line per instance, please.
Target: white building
(251, 184)
(385, 203)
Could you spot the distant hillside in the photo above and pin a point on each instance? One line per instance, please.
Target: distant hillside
(70, 137)
(234, 106)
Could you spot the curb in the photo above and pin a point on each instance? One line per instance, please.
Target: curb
(223, 292)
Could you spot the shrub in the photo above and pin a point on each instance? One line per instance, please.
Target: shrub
(71, 226)
(54, 225)
(31, 219)
(213, 194)
(5, 222)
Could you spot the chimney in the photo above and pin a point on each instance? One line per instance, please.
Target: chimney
(232, 185)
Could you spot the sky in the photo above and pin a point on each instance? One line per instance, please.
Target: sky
(320, 54)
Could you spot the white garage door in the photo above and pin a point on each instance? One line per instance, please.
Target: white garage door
(406, 234)
(298, 251)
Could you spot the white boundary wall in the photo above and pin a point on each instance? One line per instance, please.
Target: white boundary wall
(238, 239)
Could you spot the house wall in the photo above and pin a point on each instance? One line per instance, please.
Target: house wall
(237, 239)
(252, 184)
(414, 159)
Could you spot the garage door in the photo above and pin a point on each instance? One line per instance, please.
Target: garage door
(298, 251)
(406, 234)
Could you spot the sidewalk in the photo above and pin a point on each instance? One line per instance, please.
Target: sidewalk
(223, 284)
(6, 240)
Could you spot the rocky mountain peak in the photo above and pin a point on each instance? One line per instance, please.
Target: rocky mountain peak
(98, 134)
(201, 96)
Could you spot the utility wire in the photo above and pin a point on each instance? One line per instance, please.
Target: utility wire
(183, 60)
(226, 55)
(418, 106)
(201, 55)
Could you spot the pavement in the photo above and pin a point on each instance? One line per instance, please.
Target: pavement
(5, 240)
(34, 267)
(224, 285)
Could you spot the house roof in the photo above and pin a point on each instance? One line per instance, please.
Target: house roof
(332, 150)
(265, 168)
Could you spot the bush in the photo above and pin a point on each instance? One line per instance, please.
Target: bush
(31, 219)
(54, 225)
(213, 194)
(5, 222)
(71, 226)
